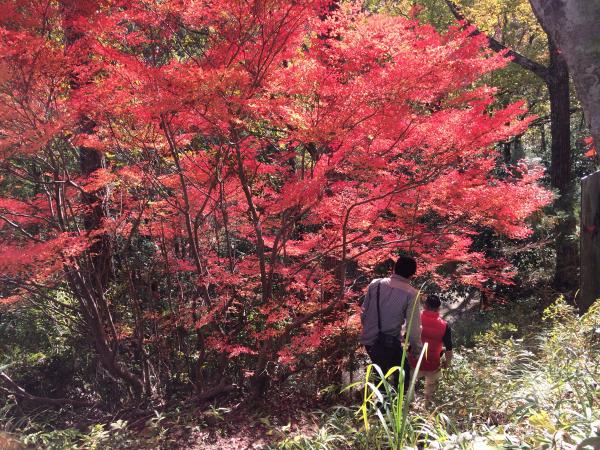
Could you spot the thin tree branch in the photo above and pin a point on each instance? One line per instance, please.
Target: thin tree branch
(528, 64)
(18, 391)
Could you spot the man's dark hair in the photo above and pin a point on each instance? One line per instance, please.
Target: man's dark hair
(433, 302)
(405, 266)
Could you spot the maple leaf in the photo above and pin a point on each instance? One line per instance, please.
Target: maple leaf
(591, 151)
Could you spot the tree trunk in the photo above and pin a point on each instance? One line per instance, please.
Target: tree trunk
(556, 78)
(518, 152)
(590, 241)
(565, 276)
(92, 280)
(90, 159)
(573, 24)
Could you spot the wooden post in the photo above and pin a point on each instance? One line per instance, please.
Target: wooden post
(590, 241)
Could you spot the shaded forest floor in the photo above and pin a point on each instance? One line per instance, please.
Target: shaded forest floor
(520, 380)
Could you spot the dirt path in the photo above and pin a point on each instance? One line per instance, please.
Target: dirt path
(453, 311)
(256, 432)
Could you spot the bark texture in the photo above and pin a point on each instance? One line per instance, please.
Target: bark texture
(590, 241)
(573, 24)
(561, 168)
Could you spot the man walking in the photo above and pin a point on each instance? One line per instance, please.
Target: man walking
(389, 304)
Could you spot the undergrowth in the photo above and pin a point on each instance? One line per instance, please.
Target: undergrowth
(538, 391)
(517, 387)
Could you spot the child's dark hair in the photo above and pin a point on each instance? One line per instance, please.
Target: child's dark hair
(433, 302)
(405, 266)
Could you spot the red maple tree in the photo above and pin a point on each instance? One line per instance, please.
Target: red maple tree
(254, 161)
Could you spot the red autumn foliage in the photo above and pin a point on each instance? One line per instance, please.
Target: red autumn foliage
(591, 150)
(261, 156)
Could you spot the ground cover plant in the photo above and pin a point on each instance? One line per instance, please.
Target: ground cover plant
(538, 390)
(194, 195)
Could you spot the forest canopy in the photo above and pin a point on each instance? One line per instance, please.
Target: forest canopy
(218, 176)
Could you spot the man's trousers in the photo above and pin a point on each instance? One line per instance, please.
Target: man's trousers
(386, 359)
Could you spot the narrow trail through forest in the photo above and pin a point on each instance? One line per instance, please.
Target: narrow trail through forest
(255, 433)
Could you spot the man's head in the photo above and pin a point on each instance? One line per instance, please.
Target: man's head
(405, 266)
(433, 302)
